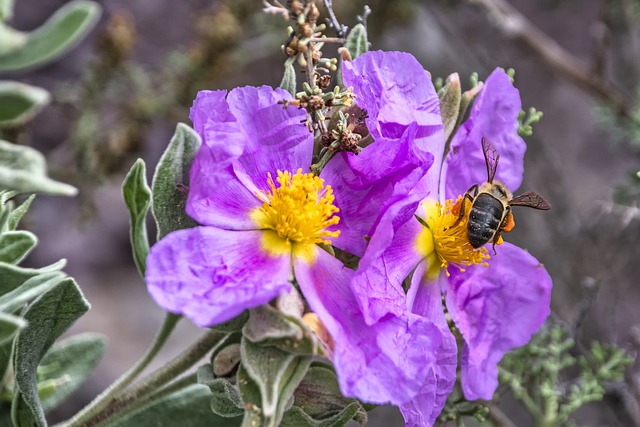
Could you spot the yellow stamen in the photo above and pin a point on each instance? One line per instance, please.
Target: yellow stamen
(299, 211)
(444, 240)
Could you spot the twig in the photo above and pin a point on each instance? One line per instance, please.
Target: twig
(498, 417)
(341, 30)
(514, 25)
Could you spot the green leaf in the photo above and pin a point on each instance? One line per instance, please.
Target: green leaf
(29, 290)
(357, 42)
(62, 31)
(12, 276)
(319, 402)
(172, 172)
(10, 39)
(276, 373)
(288, 82)
(24, 170)
(16, 245)
(20, 102)
(226, 400)
(450, 96)
(268, 326)
(189, 407)
(16, 214)
(234, 325)
(9, 326)
(137, 196)
(48, 317)
(68, 364)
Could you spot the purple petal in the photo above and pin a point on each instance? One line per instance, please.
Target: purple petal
(496, 309)
(495, 116)
(211, 275)
(245, 137)
(367, 185)
(386, 362)
(425, 300)
(390, 257)
(276, 139)
(396, 91)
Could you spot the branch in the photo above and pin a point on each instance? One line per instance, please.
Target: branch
(514, 25)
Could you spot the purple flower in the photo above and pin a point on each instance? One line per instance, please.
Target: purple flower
(497, 302)
(263, 218)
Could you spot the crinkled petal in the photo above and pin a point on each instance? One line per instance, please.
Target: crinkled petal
(495, 116)
(211, 275)
(276, 137)
(425, 299)
(362, 200)
(496, 309)
(396, 91)
(390, 257)
(246, 136)
(386, 362)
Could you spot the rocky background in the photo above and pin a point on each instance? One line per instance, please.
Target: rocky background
(121, 92)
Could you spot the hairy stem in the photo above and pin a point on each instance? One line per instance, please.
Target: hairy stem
(109, 395)
(158, 379)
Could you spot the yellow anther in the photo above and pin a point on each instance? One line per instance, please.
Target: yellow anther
(299, 209)
(444, 240)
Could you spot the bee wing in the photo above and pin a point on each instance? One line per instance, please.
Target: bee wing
(491, 157)
(532, 200)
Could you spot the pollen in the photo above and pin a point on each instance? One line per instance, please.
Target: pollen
(443, 239)
(299, 208)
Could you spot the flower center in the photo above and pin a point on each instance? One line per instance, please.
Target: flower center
(299, 208)
(444, 241)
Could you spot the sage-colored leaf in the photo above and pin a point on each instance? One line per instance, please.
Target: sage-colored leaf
(24, 170)
(357, 41)
(189, 407)
(29, 290)
(68, 363)
(319, 402)
(226, 400)
(62, 31)
(269, 327)
(250, 393)
(171, 179)
(234, 325)
(9, 326)
(16, 214)
(276, 373)
(16, 245)
(288, 82)
(12, 276)
(10, 39)
(48, 317)
(137, 196)
(450, 97)
(20, 102)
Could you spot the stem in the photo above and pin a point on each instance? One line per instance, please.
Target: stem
(328, 155)
(516, 26)
(163, 392)
(162, 376)
(340, 30)
(106, 397)
(499, 418)
(328, 40)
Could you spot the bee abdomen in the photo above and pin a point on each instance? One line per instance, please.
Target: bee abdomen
(484, 219)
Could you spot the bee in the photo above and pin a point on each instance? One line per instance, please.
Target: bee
(491, 203)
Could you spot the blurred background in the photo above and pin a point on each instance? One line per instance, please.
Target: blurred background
(121, 92)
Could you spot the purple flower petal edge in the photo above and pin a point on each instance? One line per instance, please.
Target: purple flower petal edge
(496, 309)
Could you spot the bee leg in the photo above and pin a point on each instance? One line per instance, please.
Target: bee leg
(467, 195)
(495, 240)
